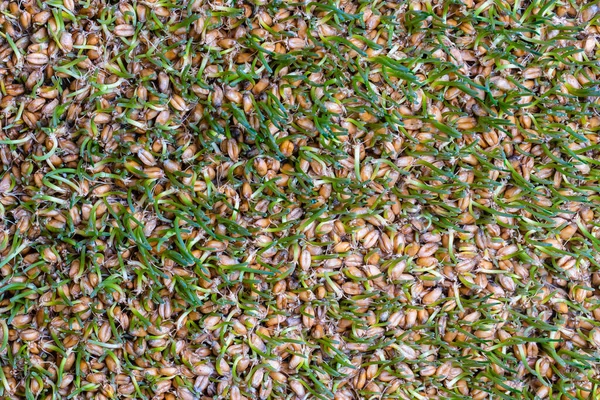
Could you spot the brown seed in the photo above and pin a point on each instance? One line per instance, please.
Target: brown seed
(66, 41)
(334, 107)
(407, 352)
(215, 245)
(21, 320)
(532, 73)
(287, 148)
(261, 167)
(260, 86)
(70, 341)
(96, 378)
(169, 371)
(37, 58)
(124, 30)
(507, 282)
(233, 150)
(104, 333)
(102, 118)
(507, 251)
(296, 43)
(101, 190)
(590, 12)
(595, 337)
(163, 117)
(542, 392)
(30, 119)
(66, 381)
(154, 172)
(305, 259)
(146, 157)
(428, 370)
(298, 388)
(432, 296)
(427, 250)
(126, 389)
(42, 17)
(568, 232)
(234, 96)
(29, 335)
(413, 124)
(178, 103)
(370, 239)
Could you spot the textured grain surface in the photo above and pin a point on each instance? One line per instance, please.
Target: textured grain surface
(280, 200)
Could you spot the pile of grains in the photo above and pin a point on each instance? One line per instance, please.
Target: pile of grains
(338, 199)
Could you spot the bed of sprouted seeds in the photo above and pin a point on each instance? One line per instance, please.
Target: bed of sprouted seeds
(281, 200)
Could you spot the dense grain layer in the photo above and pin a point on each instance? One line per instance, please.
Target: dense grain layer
(269, 200)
